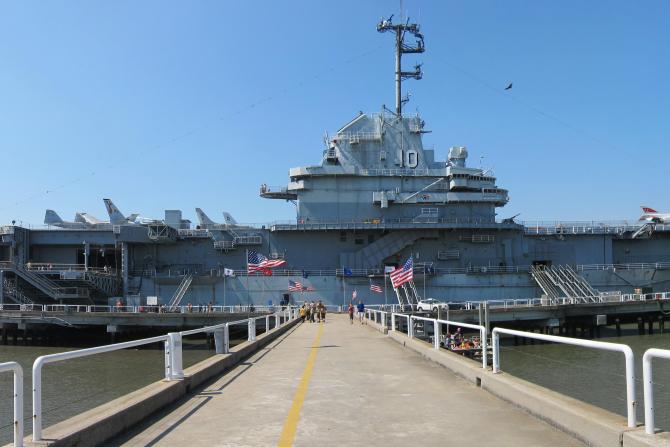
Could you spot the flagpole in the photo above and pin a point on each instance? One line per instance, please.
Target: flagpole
(424, 281)
(344, 290)
(224, 288)
(385, 299)
(248, 291)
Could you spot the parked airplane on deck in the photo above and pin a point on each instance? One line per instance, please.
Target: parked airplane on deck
(117, 218)
(81, 221)
(651, 215)
(208, 224)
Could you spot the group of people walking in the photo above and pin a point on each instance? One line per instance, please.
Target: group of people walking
(313, 312)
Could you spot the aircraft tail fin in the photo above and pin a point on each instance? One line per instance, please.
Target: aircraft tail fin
(203, 218)
(230, 220)
(115, 216)
(52, 218)
(647, 210)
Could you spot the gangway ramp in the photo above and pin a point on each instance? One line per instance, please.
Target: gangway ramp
(339, 384)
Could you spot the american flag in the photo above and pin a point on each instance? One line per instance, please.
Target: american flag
(375, 288)
(402, 274)
(295, 286)
(256, 262)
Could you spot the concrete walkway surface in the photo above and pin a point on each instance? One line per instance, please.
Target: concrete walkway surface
(361, 389)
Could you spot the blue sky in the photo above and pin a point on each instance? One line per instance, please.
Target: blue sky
(175, 105)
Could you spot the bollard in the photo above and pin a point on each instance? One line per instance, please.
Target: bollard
(175, 356)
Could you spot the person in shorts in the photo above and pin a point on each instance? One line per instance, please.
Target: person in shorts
(361, 312)
(351, 313)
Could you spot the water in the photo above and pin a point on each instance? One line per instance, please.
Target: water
(594, 376)
(73, 386)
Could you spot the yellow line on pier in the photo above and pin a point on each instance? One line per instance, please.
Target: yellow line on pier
(291, 423)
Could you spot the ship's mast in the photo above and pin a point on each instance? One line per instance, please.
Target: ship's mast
(401, 48)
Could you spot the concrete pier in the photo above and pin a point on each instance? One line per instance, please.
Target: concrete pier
(341, 384)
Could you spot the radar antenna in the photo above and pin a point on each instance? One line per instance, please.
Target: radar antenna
(401, 48)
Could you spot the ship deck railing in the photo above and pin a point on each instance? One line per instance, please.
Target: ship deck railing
(378, 272)
(529, 227)
(471, 305)
(141, 309)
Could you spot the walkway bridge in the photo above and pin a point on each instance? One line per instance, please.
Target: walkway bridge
(340, 383)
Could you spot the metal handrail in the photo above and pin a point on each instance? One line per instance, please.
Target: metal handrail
(51, 358)
(625, 349)
(648, 382)
(437, 332)
(18, 399)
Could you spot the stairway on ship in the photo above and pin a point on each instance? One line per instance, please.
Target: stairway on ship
(372, 255)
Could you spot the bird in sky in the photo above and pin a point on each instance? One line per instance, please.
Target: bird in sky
(509, 87)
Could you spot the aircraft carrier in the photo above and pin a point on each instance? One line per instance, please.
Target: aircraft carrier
(376, 198)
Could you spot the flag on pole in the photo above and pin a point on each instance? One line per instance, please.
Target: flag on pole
(256, 262)
(375, 288)
(354, 294)
(228, 272)
(347, 271)
(403, 274)
(295, 286)
(388, 268)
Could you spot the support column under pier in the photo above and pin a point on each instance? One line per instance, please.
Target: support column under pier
(112, 330)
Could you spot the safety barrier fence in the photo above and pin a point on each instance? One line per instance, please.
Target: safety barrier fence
(605, 346)
(647, 378)
(18, 399)
(173, 358)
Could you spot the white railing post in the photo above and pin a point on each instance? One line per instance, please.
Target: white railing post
(647, 378)
(18, 399)
(276, 320)
(226, 339)
(37, 399)
(384, 320)
(393, 322)
(218, 341)
(495, 340)
(484, 344)
(173, 345)
(252, 329)
(267, 323)
(410, 329)
(437, 333)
